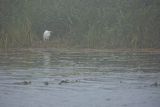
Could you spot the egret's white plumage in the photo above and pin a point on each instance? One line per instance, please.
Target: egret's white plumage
(46, 35)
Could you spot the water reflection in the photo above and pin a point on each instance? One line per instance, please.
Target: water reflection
(46, 60)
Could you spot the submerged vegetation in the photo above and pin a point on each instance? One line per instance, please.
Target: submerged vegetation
(80, 23)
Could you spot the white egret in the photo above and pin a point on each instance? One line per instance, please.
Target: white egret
(46, 35)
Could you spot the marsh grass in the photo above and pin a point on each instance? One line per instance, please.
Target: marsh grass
(17, 35)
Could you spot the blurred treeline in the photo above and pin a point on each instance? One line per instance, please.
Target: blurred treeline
(81, 23)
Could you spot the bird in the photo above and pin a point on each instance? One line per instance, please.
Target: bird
(46, 35)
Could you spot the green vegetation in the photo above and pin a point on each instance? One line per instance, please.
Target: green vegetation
(80, 23)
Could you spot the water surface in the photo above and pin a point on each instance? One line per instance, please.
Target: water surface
(79, 79)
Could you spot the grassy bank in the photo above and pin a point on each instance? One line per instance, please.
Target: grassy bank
(80, 23)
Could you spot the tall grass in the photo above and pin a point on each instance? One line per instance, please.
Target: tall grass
(80, 23)
(17, 35)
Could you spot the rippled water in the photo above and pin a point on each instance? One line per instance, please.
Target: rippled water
(52, 78)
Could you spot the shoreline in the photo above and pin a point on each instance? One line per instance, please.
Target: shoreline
(82, 50)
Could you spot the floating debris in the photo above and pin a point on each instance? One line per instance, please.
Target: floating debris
(155, 84)
(77, 81)
(46, 83)
(63, 81)
(23, 83)
(108, 99)
(68, 81)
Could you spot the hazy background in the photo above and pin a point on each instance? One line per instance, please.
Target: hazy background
(80, 23)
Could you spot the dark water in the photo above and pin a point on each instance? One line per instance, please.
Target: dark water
(51, 78)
